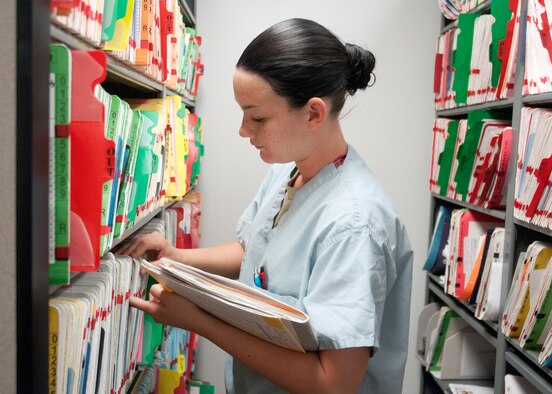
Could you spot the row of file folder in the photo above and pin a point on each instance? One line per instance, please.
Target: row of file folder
(112, 161)
(470, 158)
(528, 311)
(94, 337)
(149, 35)
(475, 62)
(449, 348)
(467, 248)
(533, 200)
(99, 344)
(451, 9)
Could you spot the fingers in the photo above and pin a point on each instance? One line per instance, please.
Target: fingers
(127, 247)
(143, 305)
(138, 246)
(158, 292)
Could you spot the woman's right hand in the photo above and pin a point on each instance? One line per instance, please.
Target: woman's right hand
(153, 245)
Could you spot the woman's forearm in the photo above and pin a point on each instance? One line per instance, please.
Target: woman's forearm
(222, 260)
(328, 371)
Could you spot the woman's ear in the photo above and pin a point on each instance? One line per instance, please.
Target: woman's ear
(317, 111)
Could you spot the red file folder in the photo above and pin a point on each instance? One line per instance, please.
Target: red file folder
(92, 160)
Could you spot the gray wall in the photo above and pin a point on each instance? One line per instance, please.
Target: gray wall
(7, 197)
(389, 125)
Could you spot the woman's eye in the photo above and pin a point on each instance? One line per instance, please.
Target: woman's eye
(258, 120)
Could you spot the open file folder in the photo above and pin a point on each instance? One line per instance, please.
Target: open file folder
(239, 305)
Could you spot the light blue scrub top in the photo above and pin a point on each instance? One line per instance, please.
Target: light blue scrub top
(340, 254)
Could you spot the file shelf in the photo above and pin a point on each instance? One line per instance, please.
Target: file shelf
(543, 98)
(510, 357)
(465, 109)
(496, 213)
(487, 331)
(444, 384)
(35, 32)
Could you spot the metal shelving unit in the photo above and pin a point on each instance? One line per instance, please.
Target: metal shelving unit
(35, 32)
(509, 355)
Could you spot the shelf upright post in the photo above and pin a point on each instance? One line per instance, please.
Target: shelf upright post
(510, 251)
(33, 55)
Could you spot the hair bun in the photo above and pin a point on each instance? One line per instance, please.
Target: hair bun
(361, 63)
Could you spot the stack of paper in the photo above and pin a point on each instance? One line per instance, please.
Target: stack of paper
(465, 242)
(242, 306)
(533, 200)
(524, 290)
(538, 52)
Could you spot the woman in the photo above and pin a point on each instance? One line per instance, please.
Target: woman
(320, 228)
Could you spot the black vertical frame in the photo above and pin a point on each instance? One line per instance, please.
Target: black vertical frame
(33, 37)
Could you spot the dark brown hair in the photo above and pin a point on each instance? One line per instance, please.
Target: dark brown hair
(301, 59)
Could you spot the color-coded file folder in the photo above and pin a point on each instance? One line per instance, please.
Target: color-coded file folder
(60, 161)
(92, 159)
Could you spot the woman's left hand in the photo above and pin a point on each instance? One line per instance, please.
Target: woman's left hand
(169, 308)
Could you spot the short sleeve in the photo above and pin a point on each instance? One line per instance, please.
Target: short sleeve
(348, 288)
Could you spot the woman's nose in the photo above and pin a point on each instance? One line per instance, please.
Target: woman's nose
(244, 131)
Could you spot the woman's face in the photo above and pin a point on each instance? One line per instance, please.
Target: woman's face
(278, 131)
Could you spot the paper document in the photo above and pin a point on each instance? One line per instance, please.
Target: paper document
(237, 304)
